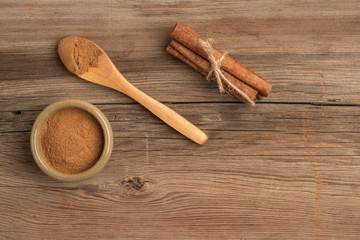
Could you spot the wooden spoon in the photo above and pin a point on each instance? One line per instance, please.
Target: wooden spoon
(88, 61)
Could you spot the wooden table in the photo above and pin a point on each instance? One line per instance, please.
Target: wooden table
(288, 168)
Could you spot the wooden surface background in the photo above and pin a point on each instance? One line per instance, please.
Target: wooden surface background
(288, 168)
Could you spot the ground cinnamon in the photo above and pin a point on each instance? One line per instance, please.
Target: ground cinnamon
(72, 140)
(84, 55)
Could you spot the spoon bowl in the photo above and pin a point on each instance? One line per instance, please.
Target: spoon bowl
(87, 60)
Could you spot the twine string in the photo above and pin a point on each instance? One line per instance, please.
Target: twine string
(216, 71)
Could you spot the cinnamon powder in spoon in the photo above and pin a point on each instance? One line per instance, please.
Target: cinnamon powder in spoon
(84, 55)
(72, 140)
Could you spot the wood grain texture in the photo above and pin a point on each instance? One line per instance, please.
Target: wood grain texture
(287, 168)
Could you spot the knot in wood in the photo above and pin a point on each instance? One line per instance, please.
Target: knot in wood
(134, 182)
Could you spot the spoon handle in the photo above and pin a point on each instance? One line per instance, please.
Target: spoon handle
(163, 112)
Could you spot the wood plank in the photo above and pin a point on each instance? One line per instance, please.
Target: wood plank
(288, 173)
(309, 56)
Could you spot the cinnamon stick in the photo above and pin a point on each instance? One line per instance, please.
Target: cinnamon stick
(203, 66)
(181, 57)
(189, 38)
(259, 96)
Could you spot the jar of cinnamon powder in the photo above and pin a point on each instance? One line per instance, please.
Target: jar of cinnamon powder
(71, 140)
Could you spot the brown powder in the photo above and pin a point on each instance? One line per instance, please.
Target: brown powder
(72, 140)
(85, 55)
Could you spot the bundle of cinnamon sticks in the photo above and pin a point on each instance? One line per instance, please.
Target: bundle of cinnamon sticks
(186, 47)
